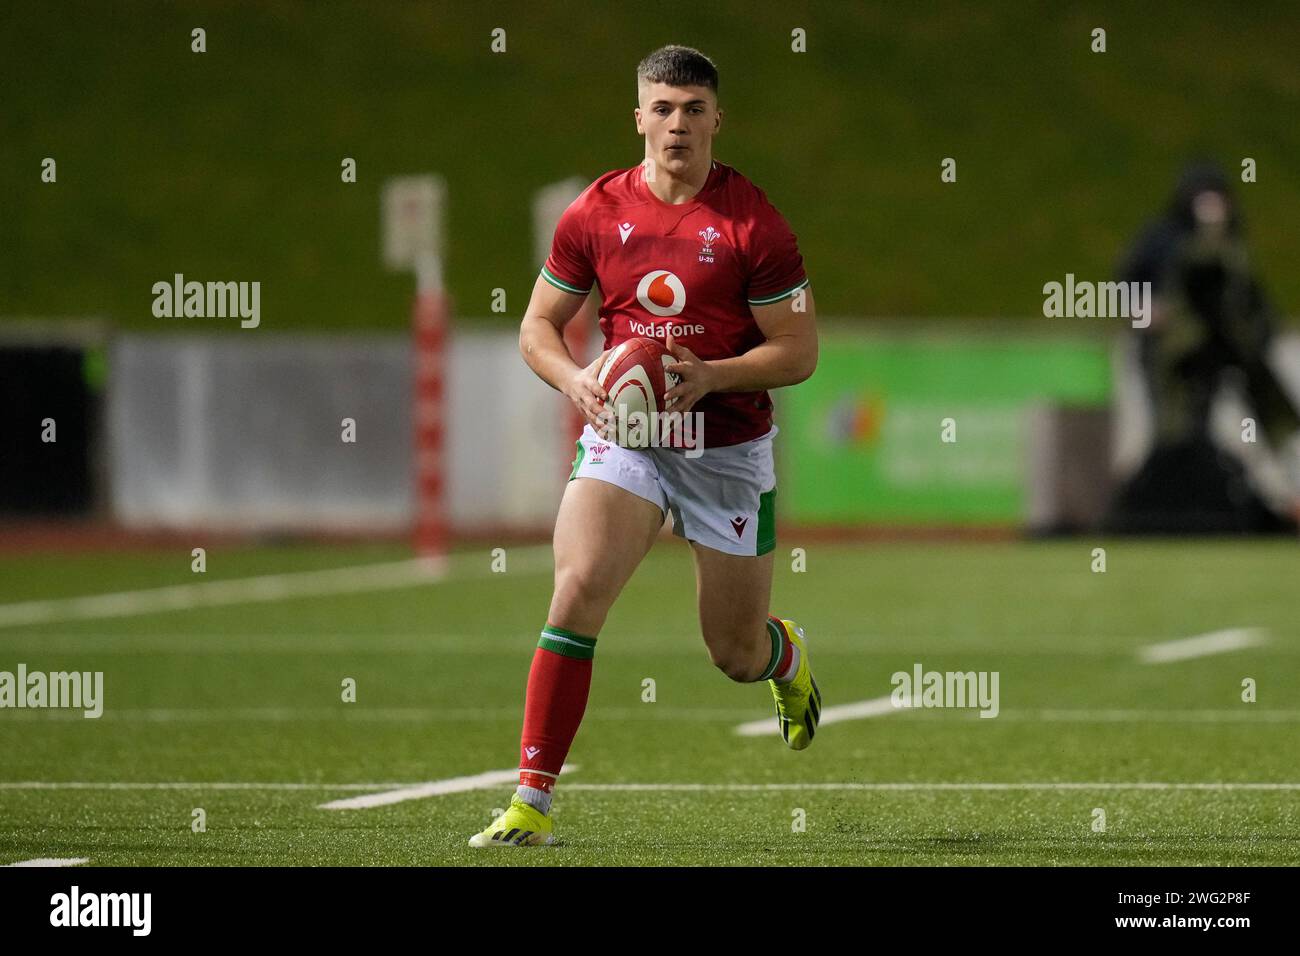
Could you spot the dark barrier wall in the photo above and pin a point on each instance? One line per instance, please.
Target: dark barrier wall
(47, 413)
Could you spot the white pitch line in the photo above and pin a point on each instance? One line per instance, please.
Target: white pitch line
(189, 785)
(1245, 714)
(1203, 645)
(51, 861)
(356, 579)
(348, 713)
(673, 787)
(876, 707)
(759, 787)
(478, 781)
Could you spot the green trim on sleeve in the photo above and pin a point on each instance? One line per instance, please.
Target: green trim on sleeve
(769, 299)
(560, 284)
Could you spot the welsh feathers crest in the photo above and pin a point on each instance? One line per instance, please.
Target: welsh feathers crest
(709, 235)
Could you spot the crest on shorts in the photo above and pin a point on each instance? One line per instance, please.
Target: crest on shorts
(598, 453)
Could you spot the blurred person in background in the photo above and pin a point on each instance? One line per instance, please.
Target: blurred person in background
(1210, 322)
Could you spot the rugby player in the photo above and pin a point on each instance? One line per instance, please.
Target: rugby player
(685, 249)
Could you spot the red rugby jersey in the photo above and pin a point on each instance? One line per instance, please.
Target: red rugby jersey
(696, 267)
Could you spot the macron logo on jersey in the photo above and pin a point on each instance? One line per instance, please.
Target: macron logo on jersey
(661, 293)
(624, 231)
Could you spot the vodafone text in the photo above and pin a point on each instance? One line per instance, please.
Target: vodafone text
(652, 331)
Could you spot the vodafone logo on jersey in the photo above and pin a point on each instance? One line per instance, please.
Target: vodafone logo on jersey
(661, 293)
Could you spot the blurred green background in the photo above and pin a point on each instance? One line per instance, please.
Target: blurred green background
(225, 165)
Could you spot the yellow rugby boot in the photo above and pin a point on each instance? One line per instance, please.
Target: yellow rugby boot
(799, 701)
(521, 825)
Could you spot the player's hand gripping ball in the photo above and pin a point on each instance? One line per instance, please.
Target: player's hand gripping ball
(635, 378)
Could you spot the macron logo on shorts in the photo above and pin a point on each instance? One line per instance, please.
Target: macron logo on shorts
(738, 525)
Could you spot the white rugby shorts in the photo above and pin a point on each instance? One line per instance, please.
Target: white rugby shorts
(723, 499)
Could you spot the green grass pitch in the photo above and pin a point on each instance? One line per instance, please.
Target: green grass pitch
(247, 696)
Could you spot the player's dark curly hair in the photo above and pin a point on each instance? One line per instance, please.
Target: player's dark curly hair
(678, 66)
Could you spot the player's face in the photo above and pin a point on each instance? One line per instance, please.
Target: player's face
(679, 123)
(1211, 210)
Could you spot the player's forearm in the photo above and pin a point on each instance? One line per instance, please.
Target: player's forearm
(785, 360)
(542, 346)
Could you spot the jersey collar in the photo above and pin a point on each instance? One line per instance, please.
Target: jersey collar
(710, 182)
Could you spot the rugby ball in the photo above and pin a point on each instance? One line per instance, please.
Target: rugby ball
(635, 377)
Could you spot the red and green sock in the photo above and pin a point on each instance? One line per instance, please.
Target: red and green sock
(558, 684)
(784, 663)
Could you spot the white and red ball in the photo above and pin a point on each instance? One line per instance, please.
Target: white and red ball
(635, 377)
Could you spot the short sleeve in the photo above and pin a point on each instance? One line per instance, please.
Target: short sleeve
(776, 267)
(569, 267)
